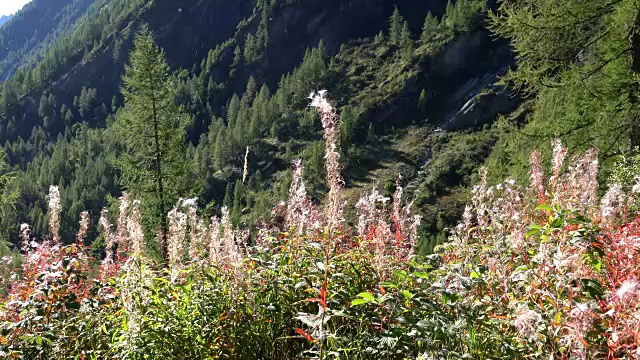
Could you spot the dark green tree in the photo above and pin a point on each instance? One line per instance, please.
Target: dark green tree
(263, 29)
(379, 38)
(86, 103)
(66, 115)
(450, 17)
(405, 36)
(8, 196)
(395, 26)
(228, 197)
(46, 107)
(220, 150)
(348, 127)
(315, 173)
(422, 101)
(468, 14)
(114, 103)
(581, 62)
(151, 127)
(237, 57)
(251, 49)
(250, 92)
(430, 27)
(238, 195)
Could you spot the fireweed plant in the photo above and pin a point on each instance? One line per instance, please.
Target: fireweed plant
(547, 271)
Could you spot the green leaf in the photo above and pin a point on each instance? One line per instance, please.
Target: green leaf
(521, 268)
(593, 288)
(357, 302)
(400, 274)
(367, 296)
(449, 299)
(421, 275)
(597, 265)
(544, 207)
(474, 275)
(557, 223)
(532, 232)
(558, 317)
(387, 284)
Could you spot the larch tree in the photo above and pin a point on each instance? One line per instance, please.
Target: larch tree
(430, 27)
(405, 36)
(152, 128)
(395, 26)
(580, 60)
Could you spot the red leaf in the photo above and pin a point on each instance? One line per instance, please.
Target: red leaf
(306, 335)
(323, 297)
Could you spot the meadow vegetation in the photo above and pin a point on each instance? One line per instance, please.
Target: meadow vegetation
(549, 269)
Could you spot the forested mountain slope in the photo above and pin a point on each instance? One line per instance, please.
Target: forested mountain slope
(415, 84)
(54, 114)
(4, 19)
(36, 29)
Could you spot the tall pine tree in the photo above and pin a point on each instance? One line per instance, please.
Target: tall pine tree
(581, 61)
(430, 27)
(405, 36)
(152, 129)
(395, 26)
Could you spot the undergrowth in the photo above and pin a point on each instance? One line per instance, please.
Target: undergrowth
(545, 271)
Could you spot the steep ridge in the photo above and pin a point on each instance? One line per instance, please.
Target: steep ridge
(36, 28)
